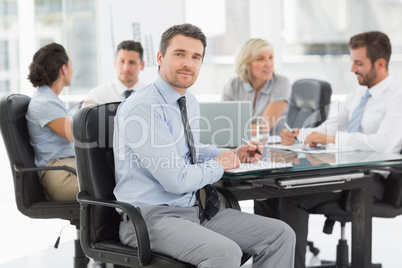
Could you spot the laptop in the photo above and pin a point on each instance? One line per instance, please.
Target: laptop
(225, 123)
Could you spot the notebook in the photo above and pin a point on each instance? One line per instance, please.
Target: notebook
(225, 123)
(259, 166)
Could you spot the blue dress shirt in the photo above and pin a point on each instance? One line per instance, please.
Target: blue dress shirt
(44, 107)
(152, 166)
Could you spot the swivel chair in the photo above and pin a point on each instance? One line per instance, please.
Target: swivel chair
(93, 140)
(29, 192)
(309, 103)
(308, 107)
(389, 207)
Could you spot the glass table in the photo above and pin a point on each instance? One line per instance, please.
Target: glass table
(306, 164)
(320, 172)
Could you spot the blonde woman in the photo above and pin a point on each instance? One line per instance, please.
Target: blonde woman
(268, 92)
(257, 82)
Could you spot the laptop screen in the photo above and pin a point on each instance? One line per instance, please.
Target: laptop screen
(225, 123)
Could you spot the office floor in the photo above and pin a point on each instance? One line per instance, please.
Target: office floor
(29, 242)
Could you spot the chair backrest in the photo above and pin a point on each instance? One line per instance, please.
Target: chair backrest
(93, 141)
(29, 192)
(28, 189)
(309, 103)
(93, 128)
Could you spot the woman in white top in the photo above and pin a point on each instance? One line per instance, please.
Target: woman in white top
(257, 82)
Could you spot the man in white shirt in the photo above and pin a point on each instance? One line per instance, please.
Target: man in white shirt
(368, 121)
(378, 129)
(128, 63)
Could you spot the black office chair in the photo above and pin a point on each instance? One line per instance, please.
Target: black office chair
(309, 103)
(93, 136)
(389, 207)
(29, 193)
(308, 107)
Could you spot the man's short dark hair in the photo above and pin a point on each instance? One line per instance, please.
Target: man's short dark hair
(132, 46)
(187, 30)
(377, 45)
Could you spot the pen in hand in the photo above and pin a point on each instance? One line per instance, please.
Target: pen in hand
(290, 130)
(256, 150)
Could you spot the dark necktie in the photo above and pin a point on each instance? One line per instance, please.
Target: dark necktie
(187, 130)
(128, 92)
(212, 201)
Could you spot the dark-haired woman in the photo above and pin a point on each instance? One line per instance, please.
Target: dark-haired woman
(49, 127)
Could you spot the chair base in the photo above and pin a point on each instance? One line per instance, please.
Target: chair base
(80, 259)
(342, 255)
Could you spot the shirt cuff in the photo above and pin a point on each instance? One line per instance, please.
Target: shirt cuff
(215, 170)
(303, 133)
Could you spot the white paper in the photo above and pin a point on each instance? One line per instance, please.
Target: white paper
(260, 165)
(274, 139)
(294, 146)
(322, 149)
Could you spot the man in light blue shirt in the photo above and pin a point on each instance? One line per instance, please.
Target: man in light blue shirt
(157, 172)
(160, 157)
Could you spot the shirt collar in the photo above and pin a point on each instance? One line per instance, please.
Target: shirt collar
(120, 87)
(137, 86)
(46, 89)
(265, 89)
(167, 92)
(377, 89)
(247, 87)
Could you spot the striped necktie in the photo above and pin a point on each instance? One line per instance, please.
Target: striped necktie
(356, 119)
(187, 130)
(212, 201)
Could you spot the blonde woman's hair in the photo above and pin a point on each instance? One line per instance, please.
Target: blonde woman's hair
(247, 54)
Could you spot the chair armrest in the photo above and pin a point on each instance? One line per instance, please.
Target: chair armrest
(229, 196)
(144, 247)
(393, 187)
(390, 169)
(31, 169)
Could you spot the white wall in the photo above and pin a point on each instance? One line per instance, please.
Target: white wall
(115, 19)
